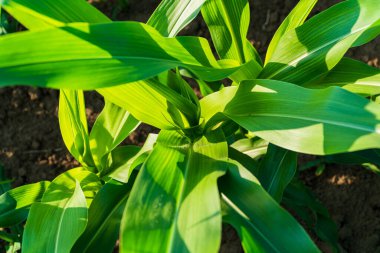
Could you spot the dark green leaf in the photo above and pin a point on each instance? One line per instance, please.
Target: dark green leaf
(260, 221)
(276, 170)
(104, 218)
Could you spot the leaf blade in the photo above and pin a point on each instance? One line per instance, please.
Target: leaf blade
(314, 53)
(171, 195)
(249, 214)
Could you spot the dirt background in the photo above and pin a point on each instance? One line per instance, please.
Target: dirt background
(31, 148)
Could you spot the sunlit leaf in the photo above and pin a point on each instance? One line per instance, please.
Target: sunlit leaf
(352, 75)
(111, 127)
(15, 203)
(311, 50)
(295, 18)
(73, 125)
(292, 117)
(166, 211)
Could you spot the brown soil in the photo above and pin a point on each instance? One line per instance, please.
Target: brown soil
(31, 148)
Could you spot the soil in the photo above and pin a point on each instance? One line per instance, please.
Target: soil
(31, 148)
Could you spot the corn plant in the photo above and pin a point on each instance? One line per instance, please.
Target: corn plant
(228, 157)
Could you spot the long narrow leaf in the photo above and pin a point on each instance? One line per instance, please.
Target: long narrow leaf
(228, 22)
(292, 117)
(104, 219)
(295, 18)
(14, 204)
(73, 125)
(261, 223)
(92, 56)
(171, 16)
(314, 48)
(125, 159)
(276, 170)
(155, 104)
(352, 75)
(55, 223)
(111, 127)
(48, 13)
(166, 211)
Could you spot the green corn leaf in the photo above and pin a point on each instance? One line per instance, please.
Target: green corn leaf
(245, 160)
(125, 159)
(252, 147)
(111, 127)
(292, 117)
(302, 201)
(104, 218)
(153, 104)
(176, 82)
(295, 18)
(73, 125)
(171, 16)
(55, 223)
(352, 75)
(166, 211)
(314, 48)
(363, 157)
(90, 56)
(177, 15)
(15, 203)
(260, 221)
(228, 22)
(47, 13)
(371, 33)
(276, 170)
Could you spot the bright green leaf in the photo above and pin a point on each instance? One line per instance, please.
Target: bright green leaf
(295, 18)
(111, 127)
(57, 221)
(14, 204)
(292, 117)
(352, 75)
(228, 22)
(125, 159)
(73, 125)
(47, 13)
(171, 16)
(311, 50)
(166, 211)
(90, 56)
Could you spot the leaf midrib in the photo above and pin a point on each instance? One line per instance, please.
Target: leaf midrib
(172, 237)
(316, 120)
(58, 235)
(232, 30)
